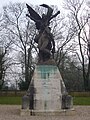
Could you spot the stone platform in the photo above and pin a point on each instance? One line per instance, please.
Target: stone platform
(47, 88)
(46, 94)
(63, 112)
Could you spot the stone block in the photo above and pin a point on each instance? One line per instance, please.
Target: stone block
(25, 102)
(67, 101)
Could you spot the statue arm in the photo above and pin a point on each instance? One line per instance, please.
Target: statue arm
(50, 10)
(55, 15)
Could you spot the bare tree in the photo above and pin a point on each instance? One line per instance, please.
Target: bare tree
(5, 45)
(63, 36)
(21, 31)
(78, 15)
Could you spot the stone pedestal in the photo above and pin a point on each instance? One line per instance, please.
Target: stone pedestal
(46, 93)
(47, 86)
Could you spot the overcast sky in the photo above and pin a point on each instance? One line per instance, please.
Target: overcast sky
(34, 2)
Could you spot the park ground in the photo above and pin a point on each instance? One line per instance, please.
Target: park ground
(12, 112)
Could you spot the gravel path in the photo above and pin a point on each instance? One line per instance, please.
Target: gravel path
(8, 112)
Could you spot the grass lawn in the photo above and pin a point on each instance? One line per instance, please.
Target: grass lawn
(10, 100)
(18, 100)
(81, 100)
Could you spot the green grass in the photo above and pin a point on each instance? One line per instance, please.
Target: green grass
(81, 100)
(10, 100)
(18, 100)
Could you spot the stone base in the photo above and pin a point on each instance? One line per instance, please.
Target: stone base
(47, 62)
(47, 94)
(27, 112)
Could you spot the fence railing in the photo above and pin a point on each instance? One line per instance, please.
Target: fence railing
(12, 93)
(21, 93)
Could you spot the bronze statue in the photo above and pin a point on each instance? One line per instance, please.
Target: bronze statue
(44, 39)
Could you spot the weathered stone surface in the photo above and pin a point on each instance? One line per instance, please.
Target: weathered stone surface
(25, 102)
(47, 93)
(48, 89)
(67, 102)
(25, 112)
(47, 62)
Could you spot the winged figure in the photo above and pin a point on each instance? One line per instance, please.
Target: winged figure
(44, 39)
(44, 21)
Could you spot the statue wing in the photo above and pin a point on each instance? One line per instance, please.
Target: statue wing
(33, 14)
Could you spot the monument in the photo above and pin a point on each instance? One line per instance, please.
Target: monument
(46, 94)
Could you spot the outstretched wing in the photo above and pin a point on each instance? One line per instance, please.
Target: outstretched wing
(33, 14)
